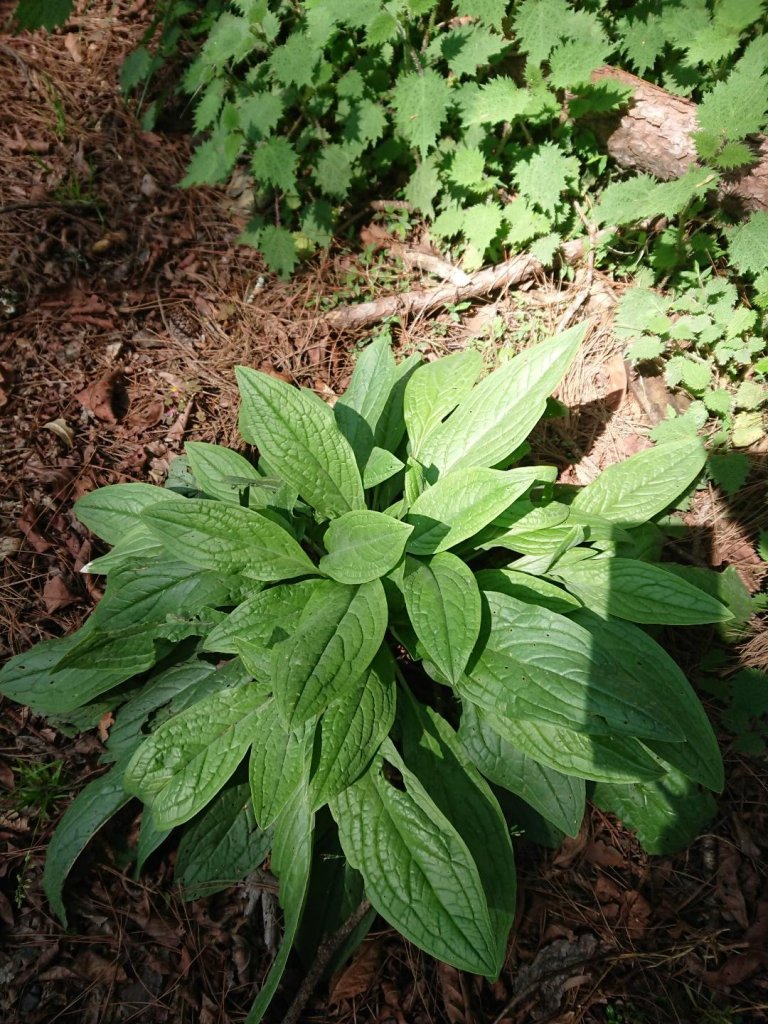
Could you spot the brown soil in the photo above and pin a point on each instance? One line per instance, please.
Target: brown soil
(126, 306)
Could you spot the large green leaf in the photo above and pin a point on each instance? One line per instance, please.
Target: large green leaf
(638, 591)
(577, 754)
(149, 595)
(300, 439)
(130, 727)
(92, 807)
(112, 512)
(222, 845)
(667, 814)
(291, 862)
(340, 631)
(699, 756)
(182, 765)
(499, 413)
(540, 665)
(435, 390)
(632, 492)
(362, 546)
(522, 516)
(390, 428)
(279, 761)
(352, 730)
(151, 838)
(229, 539)
(461, 503)
(557, 797)
(419, 873)
(264, 619)
(530, 589)
(444, 606)
(36, 679)
(136, 548)
(221, 472)
(432, 750)
(358, 410)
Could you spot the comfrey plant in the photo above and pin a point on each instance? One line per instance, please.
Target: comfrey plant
(388, 639)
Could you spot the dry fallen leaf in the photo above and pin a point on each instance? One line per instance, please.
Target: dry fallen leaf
(106, 722)
(57, 595)
(62, 430)
(98, 398)
(355, 979)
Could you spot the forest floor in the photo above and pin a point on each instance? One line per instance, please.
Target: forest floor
(124, 306)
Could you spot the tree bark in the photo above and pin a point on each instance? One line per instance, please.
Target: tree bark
(655, 135)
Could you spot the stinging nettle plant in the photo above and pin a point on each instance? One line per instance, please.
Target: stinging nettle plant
(389, 639)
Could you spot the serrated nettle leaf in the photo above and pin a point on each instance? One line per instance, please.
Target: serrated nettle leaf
(111, 512)
(341, 630)
(460, 504)
(434, 753)
(545, 175)
(279, 761)
(465, 48)
(577, 754)
(444, 606)
(184, 764)
(699, 756)
(632, 492)
(274, 163)
(362, 546)
(435, 390)
(264, 619)
(640, 592)
(222, 845)
(562, 674)
(420, 103)
(666, 814)
(227, 538)
(558, 798)
(359, 409)
(499, 413)
(292, 841)
(92, 807)
(352, 730)
(278, 247)
(499, 99)
(300, 438)
(418, 872)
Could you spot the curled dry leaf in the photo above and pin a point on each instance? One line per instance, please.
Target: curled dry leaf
(98, 398)
(357, 977)
(57, 595)
(62, 430)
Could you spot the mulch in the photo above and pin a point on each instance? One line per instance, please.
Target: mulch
(124, 306)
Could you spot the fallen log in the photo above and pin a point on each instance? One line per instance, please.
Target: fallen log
(655, 135)
(504, 275)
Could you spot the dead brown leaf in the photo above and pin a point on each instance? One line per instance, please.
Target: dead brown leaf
(98, 398)
(106, 722)
(355, 979)
(452, 990)
(57, 595)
